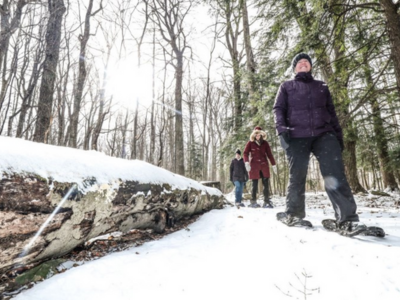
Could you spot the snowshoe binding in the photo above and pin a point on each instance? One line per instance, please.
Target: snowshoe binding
(292, 221)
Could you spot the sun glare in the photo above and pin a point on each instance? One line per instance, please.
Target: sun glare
(128, 83)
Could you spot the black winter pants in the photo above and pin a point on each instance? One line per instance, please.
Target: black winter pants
(265, 188)
(326, 149)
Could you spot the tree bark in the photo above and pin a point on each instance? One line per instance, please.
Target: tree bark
(341, 96)
(380, 136)
(53, 37)
(81, 79)
(179, 143)
(250, 61)
(169, 16)
(392, 15)
(8, 25)
(231, 38)
(29, 202)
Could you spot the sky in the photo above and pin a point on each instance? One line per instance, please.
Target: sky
(226, 254)
(128, 83)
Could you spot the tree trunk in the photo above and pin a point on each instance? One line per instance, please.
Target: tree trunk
(179, 145)
(393, 25)
(389, 180)
(28, 94)
(53, 37)
(153, 88)
(134, 146)
(81, 78)
(8, 26)
(102, 113)
(231, 37)
(250, 62)
(42, 219)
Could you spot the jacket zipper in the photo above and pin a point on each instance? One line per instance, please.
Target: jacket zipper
(311, 110)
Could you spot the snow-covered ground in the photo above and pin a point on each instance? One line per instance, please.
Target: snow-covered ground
(246, 254)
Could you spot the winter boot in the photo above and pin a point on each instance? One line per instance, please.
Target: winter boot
(346, 228)
(292, 221)
(351, 228)
(268, 205)
(253, 204)
(240, 204)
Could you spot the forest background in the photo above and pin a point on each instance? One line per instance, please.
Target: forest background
(182, 83)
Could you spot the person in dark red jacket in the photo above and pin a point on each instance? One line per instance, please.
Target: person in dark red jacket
(306, 123)
(255, 156)
(238, 175)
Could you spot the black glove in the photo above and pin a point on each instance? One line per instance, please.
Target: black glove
(285, 135)
(341, 144)
(284, 139)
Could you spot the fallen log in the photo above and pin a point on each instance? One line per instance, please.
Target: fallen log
(47, 214)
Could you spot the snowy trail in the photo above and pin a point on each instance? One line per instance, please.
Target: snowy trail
(243, 254)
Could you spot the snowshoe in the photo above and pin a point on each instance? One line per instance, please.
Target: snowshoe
(268, 205)
(292, 221)
(374, 231)
(240, 204)
(254, 205)
(350, 229)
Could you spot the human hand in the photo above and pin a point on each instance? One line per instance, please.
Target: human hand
(247, 165)
(285, 135)
(284, 139)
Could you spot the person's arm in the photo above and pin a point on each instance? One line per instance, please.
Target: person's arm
(231, 171)
(246, 152)
(280, 110)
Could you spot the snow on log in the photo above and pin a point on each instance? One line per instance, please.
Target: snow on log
(53, 199)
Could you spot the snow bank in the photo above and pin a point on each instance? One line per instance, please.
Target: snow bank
(64, 164)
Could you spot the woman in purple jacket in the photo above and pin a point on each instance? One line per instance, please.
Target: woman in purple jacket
(306, 123)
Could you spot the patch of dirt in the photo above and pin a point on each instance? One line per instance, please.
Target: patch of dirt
(89, 251)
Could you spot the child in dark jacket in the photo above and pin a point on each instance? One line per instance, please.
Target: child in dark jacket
(238, 175)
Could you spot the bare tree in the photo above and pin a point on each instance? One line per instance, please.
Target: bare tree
(230, 12)
(10, 22)
(169, 15)
(53, 37)
(28, 92)
(250, 61)
(82, 73)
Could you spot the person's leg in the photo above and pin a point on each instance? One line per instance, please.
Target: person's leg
(253, 201)
(298, 155)
(265, 189)
(254, 190)
(241, 191)
(237, 191)
(326, 149)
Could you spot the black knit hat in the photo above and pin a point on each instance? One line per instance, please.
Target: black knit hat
(238, 152)
(299, 57)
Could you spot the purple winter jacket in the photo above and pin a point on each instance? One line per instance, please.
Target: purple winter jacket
(304, 108)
